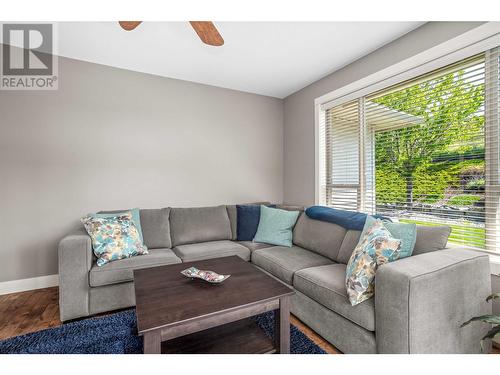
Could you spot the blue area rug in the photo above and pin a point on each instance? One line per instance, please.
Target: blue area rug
(116, 334)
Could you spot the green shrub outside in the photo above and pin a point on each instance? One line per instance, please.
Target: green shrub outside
(429, 182)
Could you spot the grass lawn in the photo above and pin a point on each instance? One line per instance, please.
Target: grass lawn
(464, 200)
(461, 234)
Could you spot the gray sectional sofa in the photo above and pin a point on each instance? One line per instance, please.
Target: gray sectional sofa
(419, 301)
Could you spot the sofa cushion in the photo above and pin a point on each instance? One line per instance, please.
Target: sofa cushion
(428, 239)
(233, 219)
(283, 262)
(156, 228)
(319, 236)
(252, 246)
(431, 238)
(349, 243)
(199, 224)
(123, 270)
(213, 249)
(290, 207)
(326, 285)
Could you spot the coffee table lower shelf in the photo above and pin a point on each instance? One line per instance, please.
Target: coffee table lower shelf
(241, 337)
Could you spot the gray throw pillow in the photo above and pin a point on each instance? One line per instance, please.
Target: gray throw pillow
(431, 239)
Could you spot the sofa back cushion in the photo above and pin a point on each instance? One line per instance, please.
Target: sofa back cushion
(428, 239)
(155, 224)
(233, 219)
(349, 243)
(290, 207)
(199, 224)
(319, 236)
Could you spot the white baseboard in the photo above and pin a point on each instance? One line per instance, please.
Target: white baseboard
(22, 285)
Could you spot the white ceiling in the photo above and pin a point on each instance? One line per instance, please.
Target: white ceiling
(268, 58)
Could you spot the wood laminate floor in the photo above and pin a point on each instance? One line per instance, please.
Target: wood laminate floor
(34, 310)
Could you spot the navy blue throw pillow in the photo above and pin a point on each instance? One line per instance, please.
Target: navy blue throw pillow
(346, 219)
(248, 217)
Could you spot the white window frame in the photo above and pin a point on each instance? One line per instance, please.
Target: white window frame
(478, 40)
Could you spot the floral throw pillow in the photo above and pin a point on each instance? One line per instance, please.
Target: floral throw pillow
(114, 237)
(377, 247)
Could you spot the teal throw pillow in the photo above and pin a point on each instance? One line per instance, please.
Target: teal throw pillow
(136, 218)
(275, 226)
(406, 232)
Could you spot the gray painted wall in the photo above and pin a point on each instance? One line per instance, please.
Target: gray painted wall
(112, 139)
(299, 107)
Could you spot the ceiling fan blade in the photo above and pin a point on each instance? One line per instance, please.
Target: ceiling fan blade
(207, 32)
(129, 25)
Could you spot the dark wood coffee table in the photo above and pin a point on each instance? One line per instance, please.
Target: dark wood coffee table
(176, 314)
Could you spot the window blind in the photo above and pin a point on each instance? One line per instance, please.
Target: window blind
(342, 162)
(423, 151)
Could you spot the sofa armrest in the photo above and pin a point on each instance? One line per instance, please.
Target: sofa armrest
(421, 302)
(75, 261)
